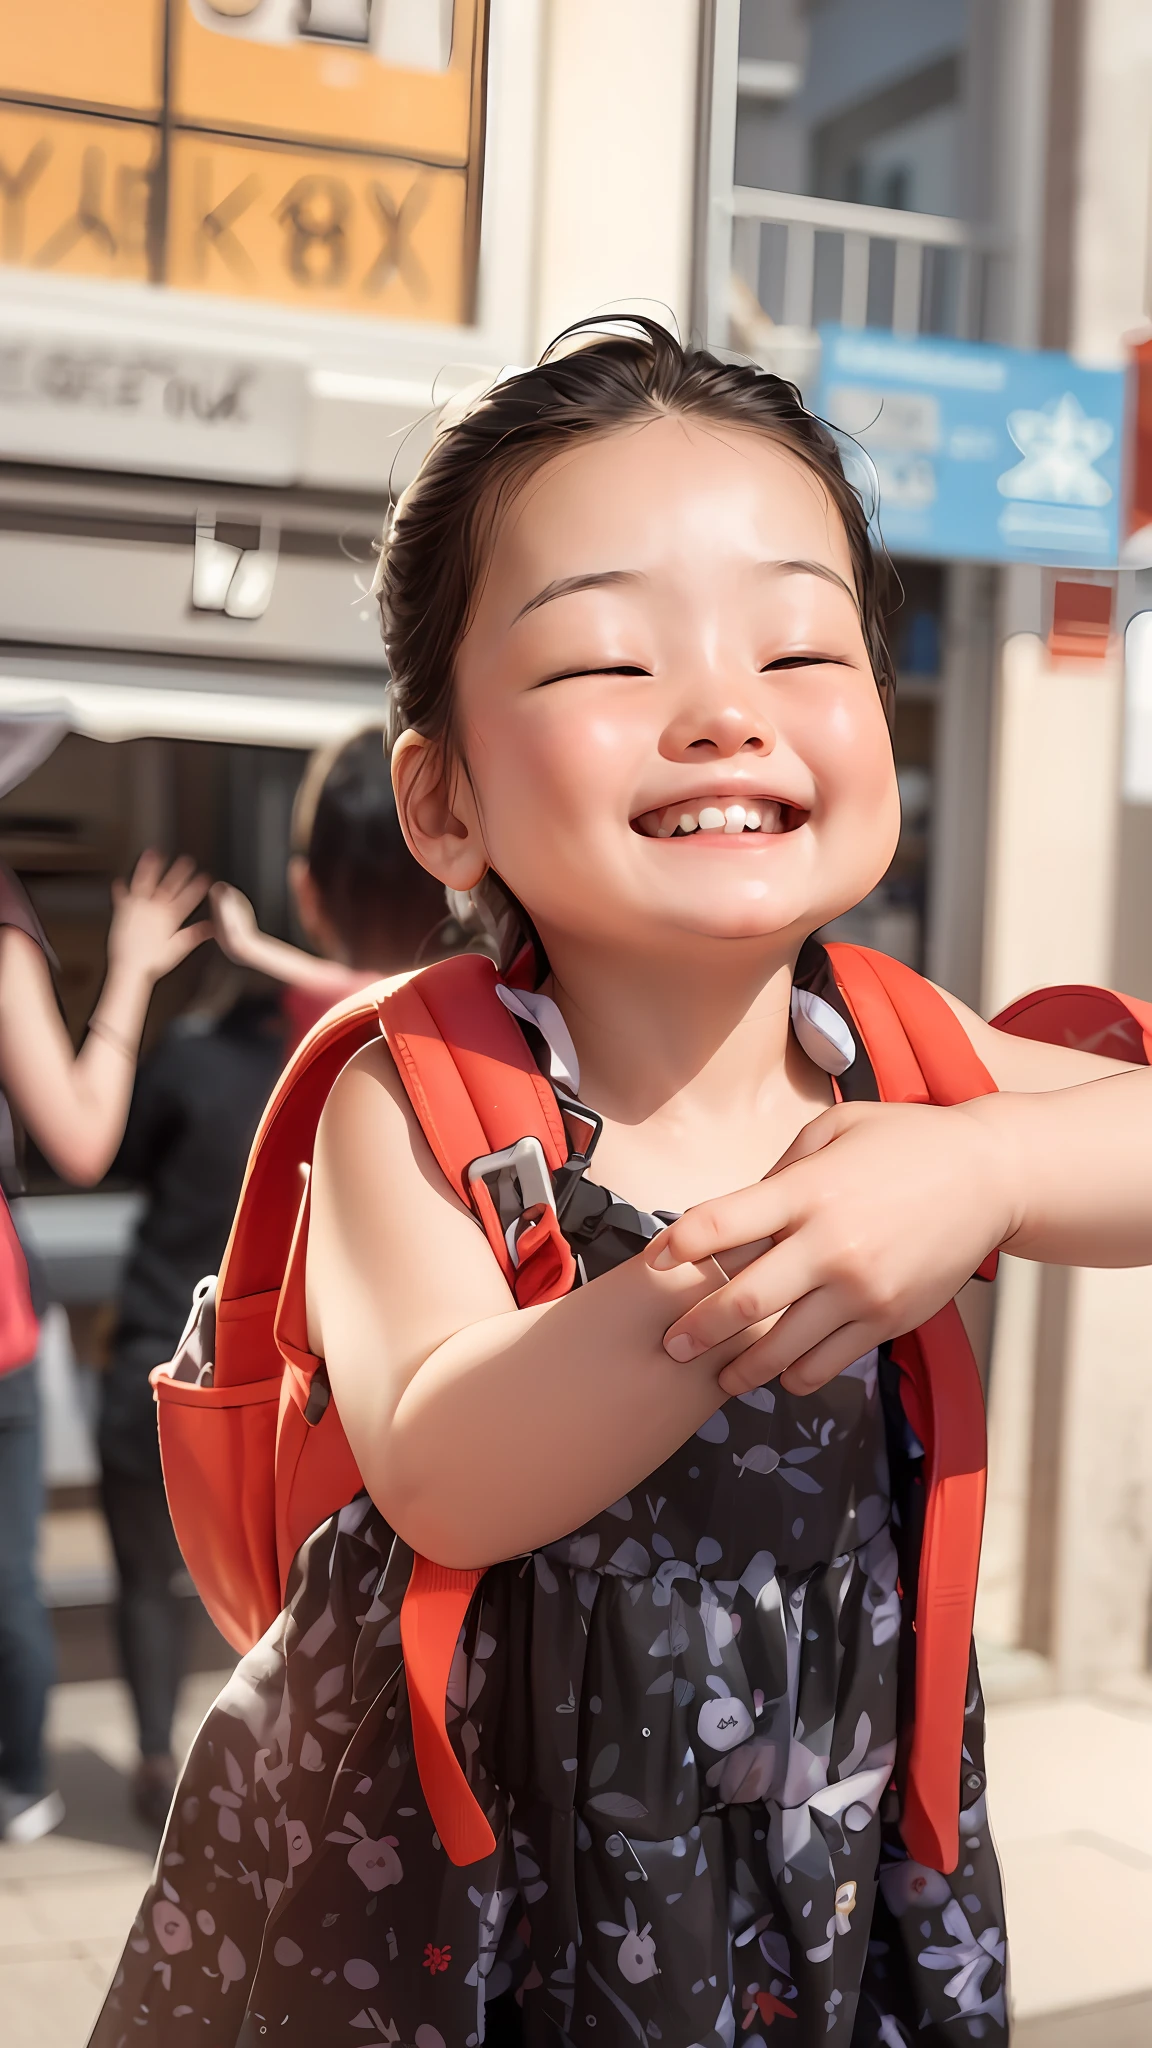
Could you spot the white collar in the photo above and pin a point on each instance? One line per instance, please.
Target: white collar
(820, 1030)
(533, 1008)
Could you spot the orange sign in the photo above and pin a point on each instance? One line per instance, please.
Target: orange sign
(322, 153)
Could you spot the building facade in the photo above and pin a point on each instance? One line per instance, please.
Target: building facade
(981, 171)
(250, 248)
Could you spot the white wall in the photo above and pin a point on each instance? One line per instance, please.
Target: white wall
(1054, 821)
(618, 146)
(1068, 1547)
(1112, 216)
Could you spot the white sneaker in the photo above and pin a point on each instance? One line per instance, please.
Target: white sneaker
(25, 1816)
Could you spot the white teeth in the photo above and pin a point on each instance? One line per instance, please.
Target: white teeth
(735, 818)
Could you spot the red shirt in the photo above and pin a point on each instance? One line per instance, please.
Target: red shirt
(304, 1007)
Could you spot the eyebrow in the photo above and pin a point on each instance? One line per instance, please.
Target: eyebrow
(805, 568)
(563, 586)
(594, 579)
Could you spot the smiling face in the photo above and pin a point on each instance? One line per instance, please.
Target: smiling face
(671, 731)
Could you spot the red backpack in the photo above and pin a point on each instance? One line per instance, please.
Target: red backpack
(254, 1454)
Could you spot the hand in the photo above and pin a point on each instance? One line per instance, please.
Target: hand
(233, 922)
(876, 1215)
(148, 935)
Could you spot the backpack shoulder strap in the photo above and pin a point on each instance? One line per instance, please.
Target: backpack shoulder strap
(476, 1091)
(920, 1052)
(1091, 1019)
(919, 1049)
(490, 1117)
(257, 1253)
(482, 1104)
(469, 1074)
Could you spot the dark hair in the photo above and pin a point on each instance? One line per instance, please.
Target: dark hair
(382, 903)
(588, 383)
(433, 552)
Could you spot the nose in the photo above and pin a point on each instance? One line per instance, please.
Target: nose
(719, 730)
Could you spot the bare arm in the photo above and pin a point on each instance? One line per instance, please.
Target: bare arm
(240, 937)
(481, 1430)
(1075, 1133)
(879, 1212)
(76, 1104)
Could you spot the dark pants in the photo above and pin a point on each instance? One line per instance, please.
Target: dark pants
(152, 1612)
(27, 1648)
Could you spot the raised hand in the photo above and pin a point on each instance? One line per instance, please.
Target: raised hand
(233, 922)
(148, 935)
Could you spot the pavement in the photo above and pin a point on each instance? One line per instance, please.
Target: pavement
(1070, 1796)
(67, 1902)
(1070, 1792)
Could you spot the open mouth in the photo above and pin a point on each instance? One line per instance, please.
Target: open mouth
(722, 817)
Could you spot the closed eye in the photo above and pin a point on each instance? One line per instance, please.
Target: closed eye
(800, 661)
(566, 675)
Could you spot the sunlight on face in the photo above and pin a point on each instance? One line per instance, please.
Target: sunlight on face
(665, 700)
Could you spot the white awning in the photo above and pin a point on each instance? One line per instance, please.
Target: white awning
(177, 703)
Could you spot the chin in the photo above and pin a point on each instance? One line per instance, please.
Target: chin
(761, 925)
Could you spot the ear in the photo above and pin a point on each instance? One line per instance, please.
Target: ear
(437, 812)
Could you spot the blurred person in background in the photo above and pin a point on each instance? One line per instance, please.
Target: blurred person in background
(194, 1113)
(74, 1105)
(370, 910)
(363, 901)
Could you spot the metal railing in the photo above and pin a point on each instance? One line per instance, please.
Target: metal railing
(807, 260)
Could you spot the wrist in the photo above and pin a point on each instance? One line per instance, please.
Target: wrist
(130, 980)
(997, 1119)
(127, 977)
(252, 949)
(120, 1041)
(123, 1000)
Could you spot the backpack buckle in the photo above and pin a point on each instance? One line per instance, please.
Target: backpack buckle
(517, 1181)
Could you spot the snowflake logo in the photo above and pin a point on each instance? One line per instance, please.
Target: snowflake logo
(436, 1959)
(1059, 445)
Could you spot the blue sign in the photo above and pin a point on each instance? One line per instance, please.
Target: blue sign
(982, 454)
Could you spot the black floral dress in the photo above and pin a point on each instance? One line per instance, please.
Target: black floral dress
(682, 1721)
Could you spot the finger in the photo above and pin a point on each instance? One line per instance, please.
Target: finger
(765, 1289)
(186, 899)
(754, 1366)
(186, 941)
(713, 1228)
(742, 1255)
(811, 1320)
(826, 1361)
(177, 876)
(830, 1124)
(147, 872)
(840, 1349)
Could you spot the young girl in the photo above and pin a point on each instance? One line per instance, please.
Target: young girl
(640, 677)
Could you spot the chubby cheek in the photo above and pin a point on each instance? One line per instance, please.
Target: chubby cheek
(850, 752)
(552, 772)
